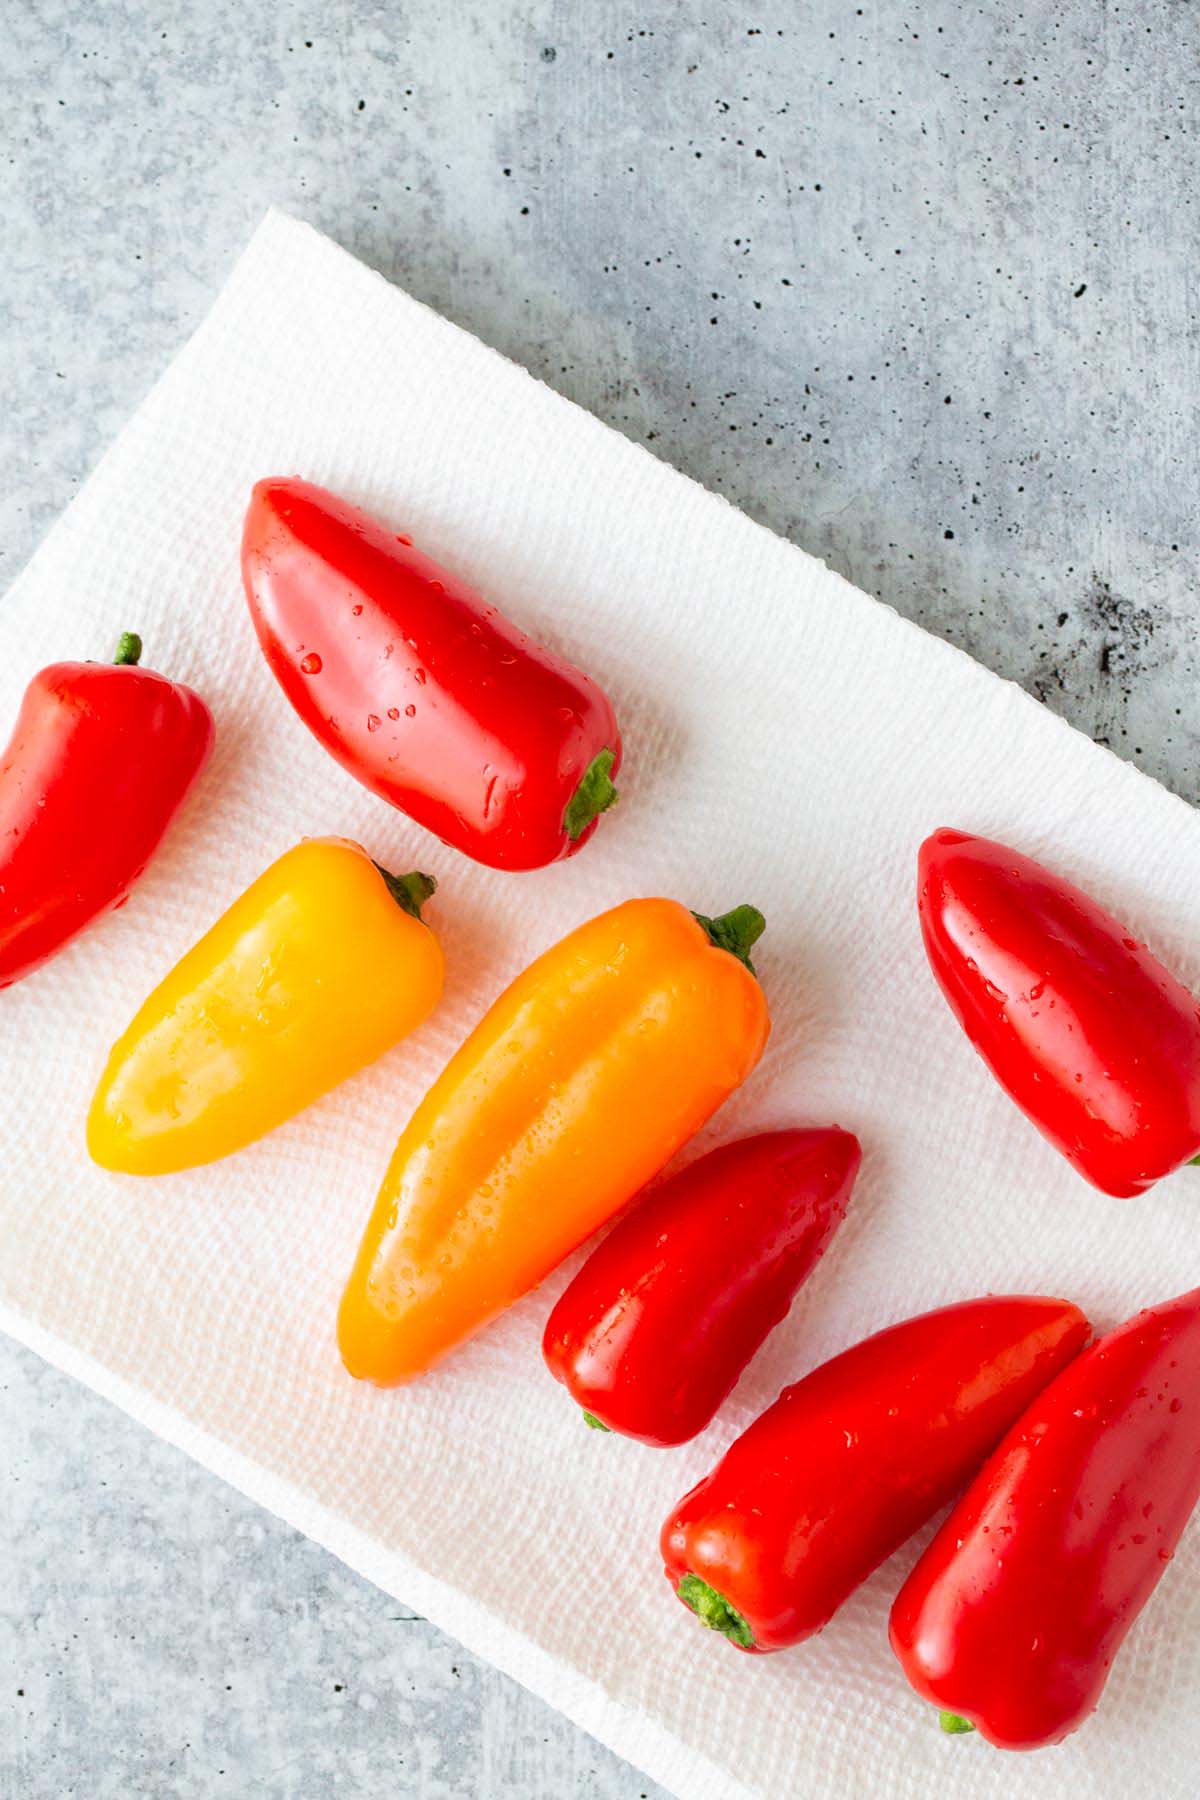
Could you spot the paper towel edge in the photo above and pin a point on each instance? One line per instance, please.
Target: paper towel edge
(628, 1731)
(277, 219)
(277, 216)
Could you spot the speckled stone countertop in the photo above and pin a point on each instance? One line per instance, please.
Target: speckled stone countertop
(913, 285)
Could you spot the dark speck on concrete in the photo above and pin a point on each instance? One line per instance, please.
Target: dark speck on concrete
(1113, 646)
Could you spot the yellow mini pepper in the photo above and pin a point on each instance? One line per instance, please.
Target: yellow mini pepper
(582, 1081)
(320, 966)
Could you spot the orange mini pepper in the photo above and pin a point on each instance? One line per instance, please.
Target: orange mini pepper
(321, 965)
(585, 1077)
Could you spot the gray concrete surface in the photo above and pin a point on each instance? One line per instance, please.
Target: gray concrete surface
(914, 285)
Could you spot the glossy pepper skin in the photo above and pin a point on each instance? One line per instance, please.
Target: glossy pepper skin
(1095, 1041)
(320, 966)
(1014, 1614)
(100, 761)
(849, 1462)
(582, 1081)
(423, 691)
(662, 1318)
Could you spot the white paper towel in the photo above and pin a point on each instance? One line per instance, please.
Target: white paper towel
(788, 741)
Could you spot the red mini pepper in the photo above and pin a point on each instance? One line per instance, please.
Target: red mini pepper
(424, 692)
(1013, 1616)
(849, 1462)
(99, 762)
(662, 1318)
(1078, 1022)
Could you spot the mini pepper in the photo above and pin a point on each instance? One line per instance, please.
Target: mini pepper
(321, 965)
(585, 1077)
(102, 757)
(424, 692)
(1012, 1618)
(1081, 1025)
(665, 1314)
(849, 1462)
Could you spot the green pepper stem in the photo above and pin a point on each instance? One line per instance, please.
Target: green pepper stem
(595, 1424)
(409, 891)
(129, 650)
(737, 931)
(953, 1723)
(1193, 1162)
(713, 1610)
(594, 795)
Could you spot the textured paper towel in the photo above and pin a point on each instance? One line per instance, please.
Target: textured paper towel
(789, 742)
